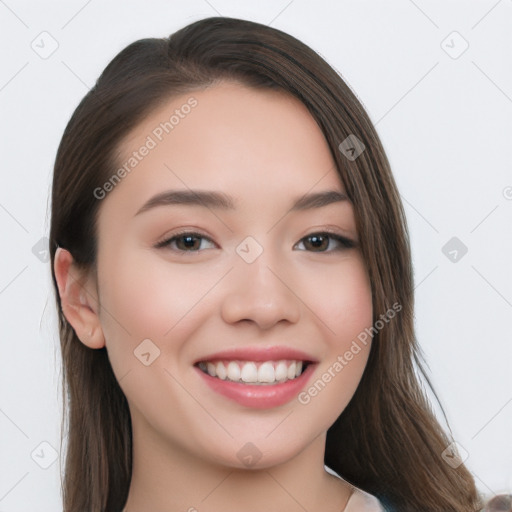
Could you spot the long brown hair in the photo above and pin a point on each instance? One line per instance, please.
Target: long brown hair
(387, 441)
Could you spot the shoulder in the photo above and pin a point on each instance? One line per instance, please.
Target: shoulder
(361, 501)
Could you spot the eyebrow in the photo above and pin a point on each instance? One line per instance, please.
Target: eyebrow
(219, 200)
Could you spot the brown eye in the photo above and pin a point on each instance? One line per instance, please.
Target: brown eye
(185, 242)
(319, 242)
(190, 242)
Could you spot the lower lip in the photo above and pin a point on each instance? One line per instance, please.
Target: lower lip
(259, 396)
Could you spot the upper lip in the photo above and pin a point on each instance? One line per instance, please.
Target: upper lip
(259, 354)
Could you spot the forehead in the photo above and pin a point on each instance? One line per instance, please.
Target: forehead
(232, 137)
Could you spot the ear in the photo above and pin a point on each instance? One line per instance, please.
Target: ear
(79, 299)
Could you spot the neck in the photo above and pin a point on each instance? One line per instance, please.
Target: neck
(166, 477)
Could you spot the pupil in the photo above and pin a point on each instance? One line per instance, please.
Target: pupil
(317, 241)
(189, 241)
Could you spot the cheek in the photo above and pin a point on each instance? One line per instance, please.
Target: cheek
(150, 295)
(150, 298)
(344, 305)
(341, 297)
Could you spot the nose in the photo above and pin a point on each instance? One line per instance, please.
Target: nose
(260, 292)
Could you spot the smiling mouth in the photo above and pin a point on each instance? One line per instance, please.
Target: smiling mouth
(252, 372)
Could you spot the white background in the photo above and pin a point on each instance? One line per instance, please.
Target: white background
(445, 123)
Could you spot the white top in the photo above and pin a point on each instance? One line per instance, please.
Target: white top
(359, 501)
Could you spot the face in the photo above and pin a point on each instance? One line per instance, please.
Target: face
(181, 281)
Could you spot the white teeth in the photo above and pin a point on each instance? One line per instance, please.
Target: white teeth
(221, 371)
(281, 371)
(233, 371)
(291, 370)
(249, 373)
(211, 369)
(268, 372)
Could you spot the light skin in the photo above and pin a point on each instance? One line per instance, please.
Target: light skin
(264, 150)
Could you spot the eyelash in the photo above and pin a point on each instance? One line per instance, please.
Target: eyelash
(345, 242)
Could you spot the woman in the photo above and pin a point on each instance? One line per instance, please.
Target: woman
(234, 281)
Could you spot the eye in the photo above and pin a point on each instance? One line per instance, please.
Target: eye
(188, 241)
(320, 241)
(185, 242)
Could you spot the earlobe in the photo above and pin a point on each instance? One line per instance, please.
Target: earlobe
(78, 300)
